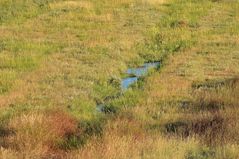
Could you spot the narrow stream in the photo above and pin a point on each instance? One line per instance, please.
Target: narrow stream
(133, 75)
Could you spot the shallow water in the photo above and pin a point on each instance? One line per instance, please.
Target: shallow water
(126, 82)
(100, 107)
(134, 74)
(137, 73)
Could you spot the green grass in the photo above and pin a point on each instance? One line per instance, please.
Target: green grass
(59, 59)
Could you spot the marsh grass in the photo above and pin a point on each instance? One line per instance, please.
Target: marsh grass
(193, 100)
(59, 59)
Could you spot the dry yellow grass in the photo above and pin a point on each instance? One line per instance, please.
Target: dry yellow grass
(82, 45)
(154, 2)
(130, 141)
(71, 4)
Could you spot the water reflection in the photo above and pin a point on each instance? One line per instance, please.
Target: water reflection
(135, 73)
(126, 82)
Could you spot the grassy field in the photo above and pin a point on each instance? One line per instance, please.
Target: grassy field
(59, 59)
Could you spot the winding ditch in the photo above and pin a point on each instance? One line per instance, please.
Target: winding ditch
(132, 77)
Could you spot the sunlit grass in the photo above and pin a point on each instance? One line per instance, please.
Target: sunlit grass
(59, 59)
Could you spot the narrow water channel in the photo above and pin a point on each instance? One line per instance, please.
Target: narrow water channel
(132, 76)
(135, 73)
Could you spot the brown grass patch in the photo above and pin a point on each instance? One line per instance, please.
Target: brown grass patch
(37, 134)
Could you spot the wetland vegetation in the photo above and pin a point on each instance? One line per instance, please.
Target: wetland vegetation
(119, 79)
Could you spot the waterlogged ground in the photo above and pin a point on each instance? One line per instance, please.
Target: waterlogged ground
(132, 77)
(135, 73)
(60, 59)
